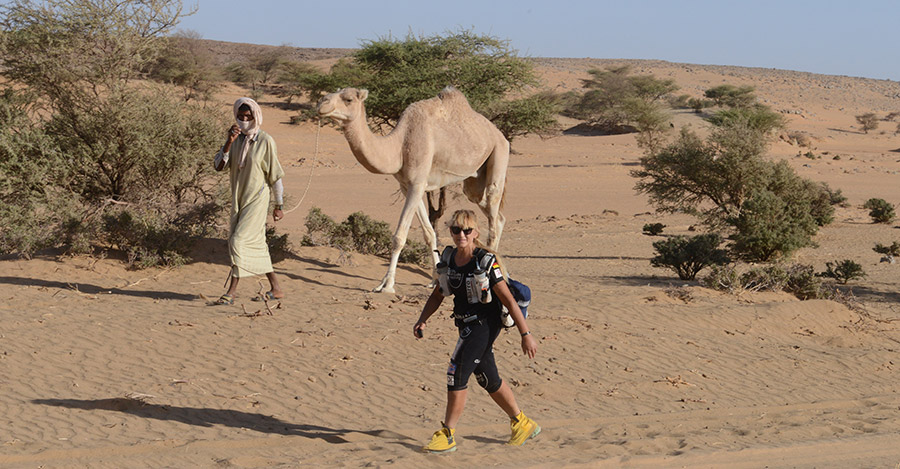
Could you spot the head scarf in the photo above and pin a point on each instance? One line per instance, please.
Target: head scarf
(251, 133)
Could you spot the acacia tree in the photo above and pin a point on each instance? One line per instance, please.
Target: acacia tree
(102, 140)
(399, 72)
(618, 102)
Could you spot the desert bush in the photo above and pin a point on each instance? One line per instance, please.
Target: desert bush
(842, 271)
(687, 256)
(834, 196)
(758, 118)
(184, 62)
(618, 102)
(867, 121)
(893, 250)
(880, 210)
(797, 279)
(681, 101)
(699, 104)
(728, 184)
(279, 244)
(892, 116)
(731, 96)
(653, 229)
(101, 140)
(723, 277)
(359, 233)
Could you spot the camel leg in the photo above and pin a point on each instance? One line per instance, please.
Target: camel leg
(413, 200)
(430, 239)
(486, 190)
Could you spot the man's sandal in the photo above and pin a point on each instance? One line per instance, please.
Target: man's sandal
(224, 300)
(268, 296)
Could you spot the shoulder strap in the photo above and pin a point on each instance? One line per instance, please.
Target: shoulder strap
(485, 259)
(447, 254)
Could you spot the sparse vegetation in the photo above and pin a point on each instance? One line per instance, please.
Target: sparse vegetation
(797, 279)
(83, 140)
(843, 271)
(358, 233)
(867, 121)
(880, 210)
(890, 252)
(653, 229)
(688, 256)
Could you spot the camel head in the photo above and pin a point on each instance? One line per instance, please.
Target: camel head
(344, 105)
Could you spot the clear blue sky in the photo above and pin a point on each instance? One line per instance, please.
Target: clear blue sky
(854, 38)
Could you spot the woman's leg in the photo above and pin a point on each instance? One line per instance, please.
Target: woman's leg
(506, 400)
(456, 402)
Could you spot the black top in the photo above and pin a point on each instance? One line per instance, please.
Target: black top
(457, 278)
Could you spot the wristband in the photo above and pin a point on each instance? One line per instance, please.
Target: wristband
(526, 333)
(279, 206)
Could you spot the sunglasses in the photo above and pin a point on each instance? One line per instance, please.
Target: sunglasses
(457, 230)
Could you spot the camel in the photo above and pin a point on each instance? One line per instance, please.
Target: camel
(437, 142)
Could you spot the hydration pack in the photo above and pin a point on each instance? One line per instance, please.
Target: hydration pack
(485, 260)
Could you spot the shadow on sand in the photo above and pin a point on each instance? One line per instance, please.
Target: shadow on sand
(206, 417)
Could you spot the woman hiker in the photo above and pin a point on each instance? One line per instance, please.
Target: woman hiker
(252, 158)
(479, 323)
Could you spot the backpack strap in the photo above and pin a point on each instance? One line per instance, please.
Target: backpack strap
(485, 259)
(447, 254)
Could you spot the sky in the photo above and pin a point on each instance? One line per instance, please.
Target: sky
(836, 37)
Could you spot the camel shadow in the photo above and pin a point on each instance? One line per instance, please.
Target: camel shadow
(94, 289)
(207, 417)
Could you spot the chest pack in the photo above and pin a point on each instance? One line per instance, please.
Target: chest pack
(485, 260)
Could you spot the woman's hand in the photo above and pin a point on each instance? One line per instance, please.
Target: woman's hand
(418, 328)
(529, 346)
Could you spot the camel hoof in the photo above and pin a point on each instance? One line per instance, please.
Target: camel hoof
(383, 289)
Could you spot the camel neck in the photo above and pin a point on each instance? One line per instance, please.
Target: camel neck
(379, 155)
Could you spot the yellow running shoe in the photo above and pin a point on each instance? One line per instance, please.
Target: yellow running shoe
(442, 441)
(523, 429)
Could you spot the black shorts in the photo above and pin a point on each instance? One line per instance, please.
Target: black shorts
(474, 353)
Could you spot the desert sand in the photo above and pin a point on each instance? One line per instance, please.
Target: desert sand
(101, 366)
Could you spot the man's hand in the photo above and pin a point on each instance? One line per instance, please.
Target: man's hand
(277, 214)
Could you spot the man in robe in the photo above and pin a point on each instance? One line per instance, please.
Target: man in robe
(252, 159)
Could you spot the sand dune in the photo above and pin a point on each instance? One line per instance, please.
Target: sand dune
(106, 367)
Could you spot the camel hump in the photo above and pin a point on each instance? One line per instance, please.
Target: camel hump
(452, 95)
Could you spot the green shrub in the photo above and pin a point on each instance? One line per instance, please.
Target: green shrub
(843, 271)
(359, 233)
(687, 256)
(728, 183)
(893, 250)
(279, 245)
(653, 229)
(880, 210)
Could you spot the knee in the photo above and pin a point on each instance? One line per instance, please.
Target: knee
(491, 384)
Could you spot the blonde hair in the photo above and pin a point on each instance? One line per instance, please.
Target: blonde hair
(467, 219)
